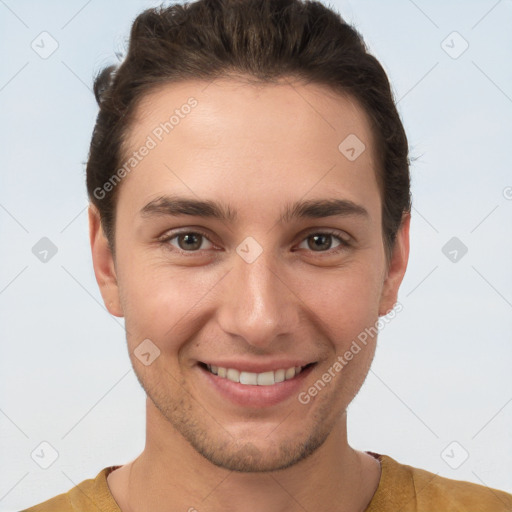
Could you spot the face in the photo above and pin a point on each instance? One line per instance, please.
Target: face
(249, 246)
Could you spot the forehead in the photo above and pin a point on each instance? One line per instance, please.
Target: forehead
(265, 140)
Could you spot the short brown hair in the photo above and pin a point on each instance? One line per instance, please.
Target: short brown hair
(263, 40)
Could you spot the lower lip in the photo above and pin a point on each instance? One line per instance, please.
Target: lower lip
(256, 396)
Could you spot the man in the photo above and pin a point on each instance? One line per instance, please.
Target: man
(249, 218)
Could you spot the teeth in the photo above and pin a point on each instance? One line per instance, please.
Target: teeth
(233, 375)
(248, 378)
(255, 379)
(265, 379)
(279, 376)
(290, 373)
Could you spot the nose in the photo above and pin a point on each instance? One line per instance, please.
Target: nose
(258, 303)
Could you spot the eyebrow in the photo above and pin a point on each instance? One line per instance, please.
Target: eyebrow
(312, 209)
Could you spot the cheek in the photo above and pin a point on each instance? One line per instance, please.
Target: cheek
(346, 306)
(164, 303)
(345, 301)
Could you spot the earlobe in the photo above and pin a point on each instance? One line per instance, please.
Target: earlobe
(397, 267)
(103, 263)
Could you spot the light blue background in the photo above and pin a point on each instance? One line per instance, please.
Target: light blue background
(442, 368)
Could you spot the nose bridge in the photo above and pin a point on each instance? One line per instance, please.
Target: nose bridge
(257, 304)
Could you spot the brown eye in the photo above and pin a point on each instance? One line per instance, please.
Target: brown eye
(320, 242)
(324, 242)
(188, 241)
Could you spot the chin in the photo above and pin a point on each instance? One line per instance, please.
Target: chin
(247, 457)
(253, 450)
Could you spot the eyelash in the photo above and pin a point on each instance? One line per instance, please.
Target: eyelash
(344, 244)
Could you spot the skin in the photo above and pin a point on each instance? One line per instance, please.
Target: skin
(254, 148)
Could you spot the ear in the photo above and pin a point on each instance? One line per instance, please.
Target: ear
(396, 268)
(103, 263)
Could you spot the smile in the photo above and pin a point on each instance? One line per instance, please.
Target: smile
(259, 389)
(268, 378)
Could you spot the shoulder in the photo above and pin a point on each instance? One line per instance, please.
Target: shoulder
(423, 491)
(457, 494)
(90, 495)
(59, 503)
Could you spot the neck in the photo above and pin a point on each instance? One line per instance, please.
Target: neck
(171, 475)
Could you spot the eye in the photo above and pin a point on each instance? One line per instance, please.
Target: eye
(323, 242)
(195, 241)
(189, 241)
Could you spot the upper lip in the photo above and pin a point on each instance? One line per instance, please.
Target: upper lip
(258, 366)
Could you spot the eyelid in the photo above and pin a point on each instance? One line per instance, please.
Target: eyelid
(342, 235)
(344, 241)
(168, 236)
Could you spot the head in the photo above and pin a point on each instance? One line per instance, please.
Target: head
(250, 201)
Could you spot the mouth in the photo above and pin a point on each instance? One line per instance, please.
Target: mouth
(267, 378)
(244, 388)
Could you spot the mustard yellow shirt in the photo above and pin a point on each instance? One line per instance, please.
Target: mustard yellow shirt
(402, 488)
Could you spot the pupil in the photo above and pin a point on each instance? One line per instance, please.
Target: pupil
(192, 241)
(321, 242)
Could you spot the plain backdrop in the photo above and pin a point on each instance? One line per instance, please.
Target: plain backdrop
(440, 390)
